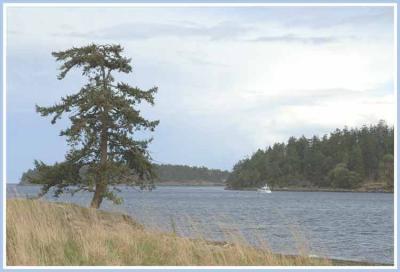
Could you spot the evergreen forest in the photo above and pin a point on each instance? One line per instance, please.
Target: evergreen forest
(347, 158)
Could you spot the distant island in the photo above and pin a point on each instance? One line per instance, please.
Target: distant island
(166, 174)
(169, 174)
(357, 159)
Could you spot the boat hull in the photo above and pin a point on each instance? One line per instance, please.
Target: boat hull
(264, 191)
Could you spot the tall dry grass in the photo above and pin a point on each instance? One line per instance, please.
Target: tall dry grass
(43, 233)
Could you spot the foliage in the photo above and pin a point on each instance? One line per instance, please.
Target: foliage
(104, 116)
(342, 177)
(344, 159)
(182, 173)
(49, 174)
(387, 169)
(59, 175)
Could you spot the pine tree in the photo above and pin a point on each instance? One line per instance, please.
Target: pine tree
(355, 162)
(344, 159)
(387, 170)
(104, 117)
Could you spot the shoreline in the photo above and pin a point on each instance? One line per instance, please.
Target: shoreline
(285, 189)
(165, 184)
(65, 216)
(335, 261)
(329, 190)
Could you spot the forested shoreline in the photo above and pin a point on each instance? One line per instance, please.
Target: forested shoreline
(347, 159)
(164, 174)
(359, 159)
(183, 174)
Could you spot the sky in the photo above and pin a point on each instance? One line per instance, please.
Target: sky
(231, 80)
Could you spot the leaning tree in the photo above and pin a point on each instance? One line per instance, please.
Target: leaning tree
(104, 116)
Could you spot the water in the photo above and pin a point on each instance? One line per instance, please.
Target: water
(351, 226)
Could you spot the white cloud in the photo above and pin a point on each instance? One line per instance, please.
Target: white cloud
(261, 73)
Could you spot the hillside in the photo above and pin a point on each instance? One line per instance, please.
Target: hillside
(166, 174)
(360, 159)
(189, 175)
(42, 233)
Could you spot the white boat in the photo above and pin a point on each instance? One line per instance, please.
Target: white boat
(264, 189)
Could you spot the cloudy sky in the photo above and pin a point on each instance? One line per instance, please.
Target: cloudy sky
(230, 80)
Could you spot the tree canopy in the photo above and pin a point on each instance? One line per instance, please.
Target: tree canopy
(182, 174)
(344, 159)
(104, 116)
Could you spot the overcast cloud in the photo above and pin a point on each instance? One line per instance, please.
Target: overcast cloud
(230, 80)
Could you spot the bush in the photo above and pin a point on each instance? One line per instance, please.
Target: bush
(342, 177)
(386, 170)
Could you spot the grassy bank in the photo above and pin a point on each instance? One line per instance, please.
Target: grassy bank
(42, 233)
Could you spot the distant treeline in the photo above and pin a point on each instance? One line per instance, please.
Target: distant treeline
(164, 173)
(346, 158)
(169, 172)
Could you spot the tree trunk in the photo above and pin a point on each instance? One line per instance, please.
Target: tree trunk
(98, 196)
(101, 183)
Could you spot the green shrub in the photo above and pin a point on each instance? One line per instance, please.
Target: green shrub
(342, 177)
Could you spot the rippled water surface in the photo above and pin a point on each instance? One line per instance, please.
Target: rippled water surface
(353, 226)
